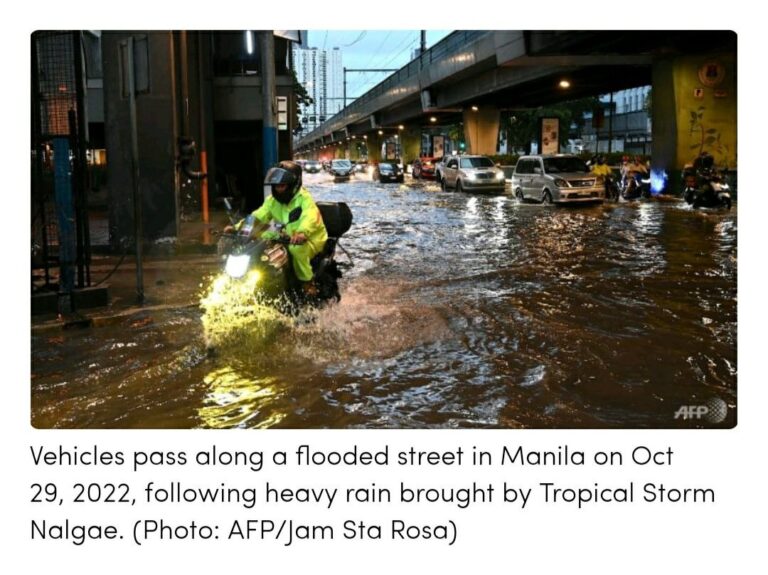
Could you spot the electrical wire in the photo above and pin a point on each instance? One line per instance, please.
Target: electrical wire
(359, 37)
(365, 79)
(407, 46)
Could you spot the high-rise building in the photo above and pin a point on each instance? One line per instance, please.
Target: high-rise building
(321, 74)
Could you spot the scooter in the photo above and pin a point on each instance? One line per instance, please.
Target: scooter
(261, 268)
(635, 187)
(706, 189)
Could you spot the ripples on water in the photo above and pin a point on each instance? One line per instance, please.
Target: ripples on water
(461, 311)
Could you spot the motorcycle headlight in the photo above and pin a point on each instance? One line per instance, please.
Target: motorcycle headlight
(237, 265)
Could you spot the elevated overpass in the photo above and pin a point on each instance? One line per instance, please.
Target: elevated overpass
(691, 72)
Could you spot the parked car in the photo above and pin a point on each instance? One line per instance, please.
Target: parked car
(560, 178)
(388, 172)
(312, 166)
(341, 169)
(423, 167)
(440, 166)
(472, 173)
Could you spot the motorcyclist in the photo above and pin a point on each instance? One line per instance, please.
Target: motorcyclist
(704, 167)
(704, 163)
(601, 169)
(292, 206)
(637, 167)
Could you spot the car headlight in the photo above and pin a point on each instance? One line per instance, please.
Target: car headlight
(237, 265)
(561, 183)
(469, 175)
(499, 175)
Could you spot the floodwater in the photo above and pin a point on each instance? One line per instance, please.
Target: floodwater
(461, 310)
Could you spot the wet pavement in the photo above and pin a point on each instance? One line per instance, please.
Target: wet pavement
(461, 310)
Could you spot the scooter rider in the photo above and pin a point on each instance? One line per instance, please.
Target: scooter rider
(292, 206)
(601, 169)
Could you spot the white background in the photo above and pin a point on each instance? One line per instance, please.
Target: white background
(726, 537)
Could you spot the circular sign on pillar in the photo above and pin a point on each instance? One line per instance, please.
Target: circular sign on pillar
(712, 74)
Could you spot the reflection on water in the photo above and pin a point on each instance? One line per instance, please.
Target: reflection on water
(461, 311)
(237, 401)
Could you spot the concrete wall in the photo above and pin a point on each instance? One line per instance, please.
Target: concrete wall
(690, 116)
(706, 115)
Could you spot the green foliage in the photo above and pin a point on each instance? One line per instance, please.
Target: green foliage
(302, 96)
(522, 126)
(505, 159)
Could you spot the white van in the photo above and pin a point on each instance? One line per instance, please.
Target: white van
(556, 178)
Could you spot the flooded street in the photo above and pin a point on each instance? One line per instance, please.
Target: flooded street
(461, 310)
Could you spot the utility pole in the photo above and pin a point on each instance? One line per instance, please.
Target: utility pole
(269, 128)
(138, 223)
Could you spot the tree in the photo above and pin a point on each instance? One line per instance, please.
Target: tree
(648, 103)
(301, 98)
(522, 126)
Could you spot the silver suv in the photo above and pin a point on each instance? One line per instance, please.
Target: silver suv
(471, 173)
(560, 178)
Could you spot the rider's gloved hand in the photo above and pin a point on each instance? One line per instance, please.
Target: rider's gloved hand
(298, 238)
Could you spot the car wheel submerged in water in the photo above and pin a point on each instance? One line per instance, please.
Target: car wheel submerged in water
(546, 199)
(519, 194)
(459, 187)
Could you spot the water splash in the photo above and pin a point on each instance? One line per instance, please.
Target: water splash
(231, 307)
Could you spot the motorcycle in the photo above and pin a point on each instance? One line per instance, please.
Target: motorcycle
(257, 268)
(706, 189)
(635, 186)
(612, 188)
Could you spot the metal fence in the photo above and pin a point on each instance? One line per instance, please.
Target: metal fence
(60, 235)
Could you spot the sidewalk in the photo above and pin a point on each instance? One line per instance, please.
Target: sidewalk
(174, 273)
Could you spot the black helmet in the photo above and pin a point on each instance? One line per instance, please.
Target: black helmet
(288, 173)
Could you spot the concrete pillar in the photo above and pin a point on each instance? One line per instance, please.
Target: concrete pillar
(374, 148)
(410, 144)
(268, 102)
(157, 133)
(693, 110)
(481, 130)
